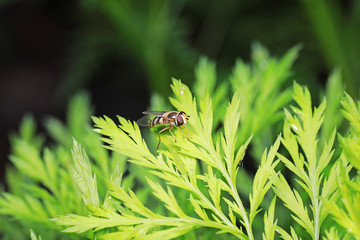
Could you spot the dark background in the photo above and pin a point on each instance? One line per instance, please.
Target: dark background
(122, 51)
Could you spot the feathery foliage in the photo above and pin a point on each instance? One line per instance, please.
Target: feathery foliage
(308, 162)
(347, 212)
(42, 183)
(110, 184)
(261, 89)
(177, 167)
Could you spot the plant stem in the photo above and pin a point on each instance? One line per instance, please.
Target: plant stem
(214, 209)
(194, 221)
(235, 195)
(316, 208)
(241, 206)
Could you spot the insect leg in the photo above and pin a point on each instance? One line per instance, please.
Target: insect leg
(172, 133)
(187, 131)
(183, 133)
(160, 137)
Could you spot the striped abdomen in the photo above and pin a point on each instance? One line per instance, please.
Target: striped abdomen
(166, 118)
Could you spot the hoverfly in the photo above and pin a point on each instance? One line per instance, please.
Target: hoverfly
(170, 118)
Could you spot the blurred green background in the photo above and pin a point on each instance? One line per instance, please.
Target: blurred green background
(121, 51)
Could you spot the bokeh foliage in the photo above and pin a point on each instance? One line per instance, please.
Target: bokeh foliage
(162, 39)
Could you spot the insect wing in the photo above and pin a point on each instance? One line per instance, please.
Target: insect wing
(144, 121)
(154, 113)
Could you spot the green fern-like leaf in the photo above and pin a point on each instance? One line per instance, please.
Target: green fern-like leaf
(41, 182)
(301, 132)
(83, 176)
(177, 167)
(347, 212)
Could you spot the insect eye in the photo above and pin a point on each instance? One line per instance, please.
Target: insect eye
(180, 120)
